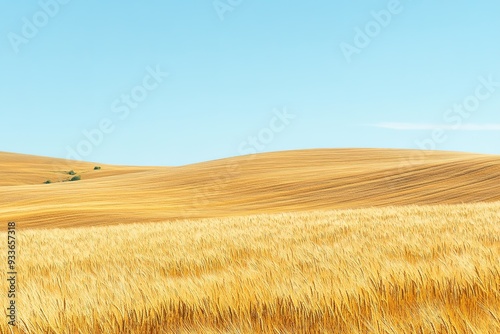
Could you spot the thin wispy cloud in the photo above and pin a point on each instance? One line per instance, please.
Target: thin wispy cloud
(420, 126)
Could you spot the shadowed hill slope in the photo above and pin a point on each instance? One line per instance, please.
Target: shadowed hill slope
(263, 183)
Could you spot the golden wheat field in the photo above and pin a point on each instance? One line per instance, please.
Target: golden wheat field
(430, 269)
(314, 241)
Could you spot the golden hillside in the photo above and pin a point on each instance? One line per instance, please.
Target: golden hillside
(264, 183)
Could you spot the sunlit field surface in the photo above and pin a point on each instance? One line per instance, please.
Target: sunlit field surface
(408, 269)
(290, 181)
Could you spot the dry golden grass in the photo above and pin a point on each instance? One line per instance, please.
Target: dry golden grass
(392, 268)
(264, 183)
(414, 269)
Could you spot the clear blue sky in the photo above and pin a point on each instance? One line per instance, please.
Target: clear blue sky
(231, 69)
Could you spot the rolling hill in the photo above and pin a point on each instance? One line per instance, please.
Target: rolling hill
(264, 183)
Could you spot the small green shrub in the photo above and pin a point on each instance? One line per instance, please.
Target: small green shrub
(48, 182)
(71, 172)
(97, 168)
(75, 178)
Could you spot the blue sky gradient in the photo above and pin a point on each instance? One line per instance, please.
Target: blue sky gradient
(233, 66)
